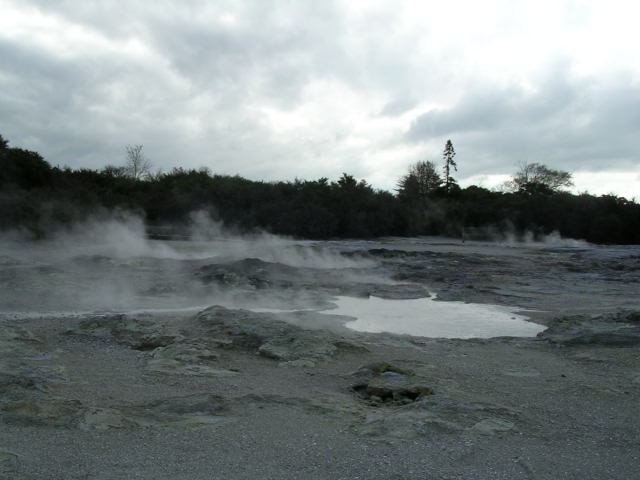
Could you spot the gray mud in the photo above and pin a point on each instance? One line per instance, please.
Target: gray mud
(206, 385)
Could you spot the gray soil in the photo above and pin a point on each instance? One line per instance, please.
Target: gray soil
(232, 393)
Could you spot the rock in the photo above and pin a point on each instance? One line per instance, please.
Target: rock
(23, 386)
(435, 415)
(185, 353)
(40, 410)
(490, 426)
(243, 328)
(185, 359)
(591, 356)
(521, 372)
(632, 318)
(139, 334)
(8, 465)
(270, 337)
(18, 376)
(388, 385)
(381, 368)
(621, 329)
(187, 411)
(402, 291)
(251, 273)
(290, 348)
(105, 419)
(11, 381)
(101, 325)
(378, 393)
(18, 341)
(406, 426)
(320, 404)
(300, 363)
(25, 380)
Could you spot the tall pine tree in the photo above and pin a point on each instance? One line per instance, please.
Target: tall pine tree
(449, 163)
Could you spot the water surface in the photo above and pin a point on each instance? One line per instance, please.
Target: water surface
(428, 317)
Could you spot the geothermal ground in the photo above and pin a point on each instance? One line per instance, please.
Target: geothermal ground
(122, 358)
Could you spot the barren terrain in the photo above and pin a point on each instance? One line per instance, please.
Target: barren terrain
(221, 360)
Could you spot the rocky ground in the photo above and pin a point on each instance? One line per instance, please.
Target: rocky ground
(238, 393)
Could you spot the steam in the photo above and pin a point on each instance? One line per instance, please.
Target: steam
(553, 239)
(216, 240)
(108, 263)
(509, 236)
(120, 237)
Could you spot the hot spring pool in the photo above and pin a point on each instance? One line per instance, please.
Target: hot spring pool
(427, 317)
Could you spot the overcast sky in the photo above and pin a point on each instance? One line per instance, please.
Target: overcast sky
(274, 90)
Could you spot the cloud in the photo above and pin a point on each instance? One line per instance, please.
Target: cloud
(573, 123)
(277, 90)
(399, 106)
(187, 82)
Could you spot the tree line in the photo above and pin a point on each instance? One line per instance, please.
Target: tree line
(36, 197)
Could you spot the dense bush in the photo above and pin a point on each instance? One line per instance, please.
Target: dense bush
(35, 196)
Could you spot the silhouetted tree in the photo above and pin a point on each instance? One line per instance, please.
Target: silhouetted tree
(421, 181)
(347, 182)
(34, 196)
(537, 178)
(113, 171)
(137, 166)
(24, 168)
(449, 163)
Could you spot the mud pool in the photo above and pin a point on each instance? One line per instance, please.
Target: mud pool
(427, 317)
